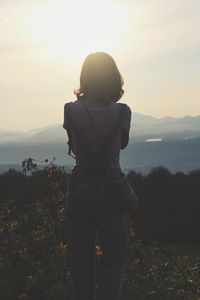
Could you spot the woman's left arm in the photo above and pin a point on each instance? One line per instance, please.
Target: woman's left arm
(126, 128)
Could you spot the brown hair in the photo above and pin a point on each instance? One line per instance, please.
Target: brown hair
(100, 78)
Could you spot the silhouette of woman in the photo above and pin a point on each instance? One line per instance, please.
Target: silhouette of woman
(91, 209)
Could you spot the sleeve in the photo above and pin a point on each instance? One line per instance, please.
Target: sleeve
(126, 122)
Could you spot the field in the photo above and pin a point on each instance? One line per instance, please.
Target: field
(34, 249)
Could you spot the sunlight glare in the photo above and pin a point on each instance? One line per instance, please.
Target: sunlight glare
(71, 29)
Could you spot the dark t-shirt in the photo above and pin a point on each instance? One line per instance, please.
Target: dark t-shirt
(104, 117)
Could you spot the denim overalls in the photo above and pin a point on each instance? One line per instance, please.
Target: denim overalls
(91, 209)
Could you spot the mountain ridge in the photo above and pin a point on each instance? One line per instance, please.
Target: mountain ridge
(142, 127)
(169, 141)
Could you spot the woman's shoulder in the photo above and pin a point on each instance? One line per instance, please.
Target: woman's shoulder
(76, 104)
(127, 107)
(72, 102)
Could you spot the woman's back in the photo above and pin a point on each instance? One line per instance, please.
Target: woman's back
(105, 118)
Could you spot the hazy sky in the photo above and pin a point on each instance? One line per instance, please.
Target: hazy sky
(156, 44)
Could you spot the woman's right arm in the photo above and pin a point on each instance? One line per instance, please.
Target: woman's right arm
(124, 137)
(66, 124)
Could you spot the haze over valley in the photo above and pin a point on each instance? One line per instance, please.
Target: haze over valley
(168, 141)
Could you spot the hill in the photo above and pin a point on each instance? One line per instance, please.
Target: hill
(171, 142)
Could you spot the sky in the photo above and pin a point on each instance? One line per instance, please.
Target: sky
(43, 43)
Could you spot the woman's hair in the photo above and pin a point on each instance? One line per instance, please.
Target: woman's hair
(100, 78)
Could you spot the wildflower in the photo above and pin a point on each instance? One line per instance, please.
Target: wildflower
(136, 260)
(49, 173)
(55, 185)
(23, 296)
(60, 196)
(98, 251)
(152, 269)
(39, 234)
(131, 232)
(62, 248)
(179, 292)
(23, 252)
(13, 224)
(61, 211)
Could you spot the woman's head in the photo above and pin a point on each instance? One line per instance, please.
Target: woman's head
(100, 78)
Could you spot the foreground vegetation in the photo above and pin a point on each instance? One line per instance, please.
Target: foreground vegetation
(164, 261)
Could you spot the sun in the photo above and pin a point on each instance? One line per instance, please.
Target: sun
(69, 30)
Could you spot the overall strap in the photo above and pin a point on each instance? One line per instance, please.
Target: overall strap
(86, 147)
(103, 148)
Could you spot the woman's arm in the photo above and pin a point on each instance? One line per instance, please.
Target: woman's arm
(66, 126)
(69, 137)
(125, 127)
(124, 137)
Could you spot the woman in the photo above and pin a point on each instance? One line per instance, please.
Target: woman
(91, 207)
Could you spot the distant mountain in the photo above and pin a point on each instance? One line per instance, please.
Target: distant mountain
(25, 136)
(168, 141)
(167, 128)
(6, 136)
(143, 127)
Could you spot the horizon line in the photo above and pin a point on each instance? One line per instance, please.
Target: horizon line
(133, 112)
